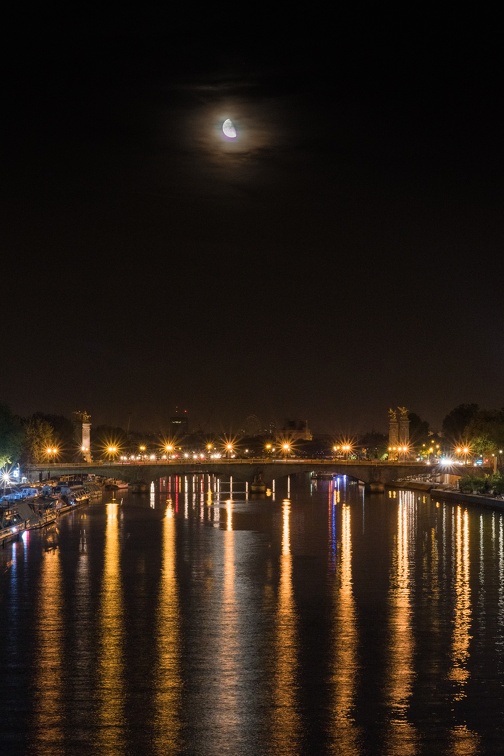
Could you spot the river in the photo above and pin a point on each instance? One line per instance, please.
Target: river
(197, 619)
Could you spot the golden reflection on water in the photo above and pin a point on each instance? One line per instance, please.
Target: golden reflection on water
(83, 637)
(400, 664)
(344, 733)
(500, 553)
(228, 659)
(168, 680)
(459, 673)
(464, 741)
(110, 683)
(48, 637)
(285, 716)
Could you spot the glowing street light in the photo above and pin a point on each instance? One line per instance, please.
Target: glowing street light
(112, 451)
(346, 449)
(496, 460)
(286, 447)
(463, 451)
(51, 453)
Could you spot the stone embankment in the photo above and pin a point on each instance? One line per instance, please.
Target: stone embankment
(449, 492)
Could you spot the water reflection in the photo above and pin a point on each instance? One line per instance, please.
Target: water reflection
(168, 679)
(285, 732)
(464, 741)
(110, 682)
(83, 637)
(227, 661)
(344, 665)
(48, 635)
(400, 663)
(332, 622)
(459, 673)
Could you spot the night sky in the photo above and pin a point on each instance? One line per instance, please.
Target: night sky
(341, 256)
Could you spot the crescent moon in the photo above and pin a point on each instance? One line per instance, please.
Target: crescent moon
(229, 129)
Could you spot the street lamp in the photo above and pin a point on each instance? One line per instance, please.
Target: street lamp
(346, 449)
(51, 452)
(112, 451)
(463, 450)
(496, 462)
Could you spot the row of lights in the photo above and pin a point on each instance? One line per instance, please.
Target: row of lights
(112, 451)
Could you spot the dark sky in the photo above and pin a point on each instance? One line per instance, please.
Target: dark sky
(341, 256)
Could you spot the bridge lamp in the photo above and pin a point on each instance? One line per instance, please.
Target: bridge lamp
(496, 462)
(346, 448)
(51, 453)
(286, 449)
(464, 452)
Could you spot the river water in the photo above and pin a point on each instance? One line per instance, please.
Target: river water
(197, 619)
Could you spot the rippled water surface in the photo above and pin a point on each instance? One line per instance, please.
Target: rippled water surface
(199, 620)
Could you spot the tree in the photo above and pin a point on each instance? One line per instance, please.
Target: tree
(374, 445)
(64, 434)
(38, 438)
(11, 436)
(455, 423)
(486, 432)
(418, 430)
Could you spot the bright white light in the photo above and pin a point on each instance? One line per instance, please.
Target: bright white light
(229, 129)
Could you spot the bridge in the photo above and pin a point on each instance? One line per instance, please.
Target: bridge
(373, 473)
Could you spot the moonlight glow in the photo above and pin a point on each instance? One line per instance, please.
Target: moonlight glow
(229, 129)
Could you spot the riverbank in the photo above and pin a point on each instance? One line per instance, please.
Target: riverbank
(447, 492)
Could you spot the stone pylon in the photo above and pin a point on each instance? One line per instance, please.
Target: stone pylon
(86, 442)
(393, 428)
(85, 418)
(403, 426)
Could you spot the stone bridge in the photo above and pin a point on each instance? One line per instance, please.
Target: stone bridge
(369, 472)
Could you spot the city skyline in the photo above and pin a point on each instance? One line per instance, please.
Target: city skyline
(336, 253)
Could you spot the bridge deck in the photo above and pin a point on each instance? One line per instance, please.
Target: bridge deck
(364, 470)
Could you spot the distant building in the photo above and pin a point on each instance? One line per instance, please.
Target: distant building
(179, 426)
(297, 430)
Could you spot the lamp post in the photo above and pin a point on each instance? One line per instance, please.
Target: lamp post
(496, 462)
(111, 451)
(51, 453)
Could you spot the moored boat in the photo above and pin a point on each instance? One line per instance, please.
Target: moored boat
(138, 486)
(258, 485)
(114, 484)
